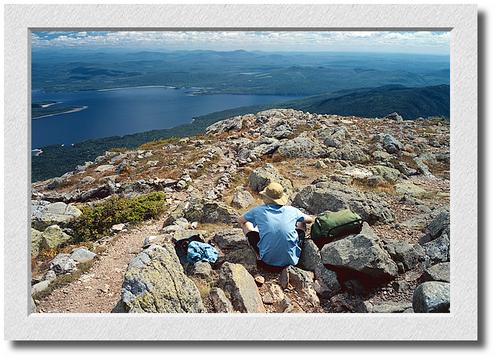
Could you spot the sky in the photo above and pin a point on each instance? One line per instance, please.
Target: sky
(421, 42)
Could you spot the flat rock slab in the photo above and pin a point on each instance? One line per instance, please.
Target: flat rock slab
(241, 288)
(155, 282)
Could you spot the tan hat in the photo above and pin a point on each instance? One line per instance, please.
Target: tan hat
(274, 194)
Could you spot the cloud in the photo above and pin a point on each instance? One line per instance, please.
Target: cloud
(413, 41)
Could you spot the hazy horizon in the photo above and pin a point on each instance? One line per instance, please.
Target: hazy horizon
(392, 42)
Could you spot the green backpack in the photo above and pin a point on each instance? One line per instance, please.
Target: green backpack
(329, 226)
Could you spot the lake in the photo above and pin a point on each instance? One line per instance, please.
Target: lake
(128, 111)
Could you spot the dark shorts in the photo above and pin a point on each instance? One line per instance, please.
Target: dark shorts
(254, 238)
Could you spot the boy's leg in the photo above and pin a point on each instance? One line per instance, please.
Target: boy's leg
(301, 227)
(252, 236)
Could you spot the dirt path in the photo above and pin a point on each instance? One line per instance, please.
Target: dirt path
(98, 291)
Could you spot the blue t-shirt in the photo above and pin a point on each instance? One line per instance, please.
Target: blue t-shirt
(278, 245)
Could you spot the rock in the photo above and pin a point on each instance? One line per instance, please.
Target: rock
(36, 240)
(118, 227)
(200, 269)
(328, 278)
(235, 124)
(242, 199)
(310, 258)
(104, 168)
(438, 226)
(438, 272)
(431, 297)
(39, 287)
(62, 264)
(46, 214)
(220, 302)
(53, 236)
(259, 280)
(260, 177)
(386, 173)
(241, 288)
(230, 239)
(422, 167)
(349, 152)
(334, 197)
(322, 290)
(210, 212)
(400, 286)
(82, 255)
(321, 165)
(394, 116)
(391, 144)
(88, 180)
(438, 250)
(273, 295)
(302, 281)
(408, 254)
(391, 307)
(361, 253)
(301, 146)
(410, 189)
(56, 183)
(155, 282)
(50, 276)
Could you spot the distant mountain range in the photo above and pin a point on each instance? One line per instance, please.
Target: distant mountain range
(410, 102)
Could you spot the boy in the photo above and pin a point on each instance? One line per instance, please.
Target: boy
(274, 230)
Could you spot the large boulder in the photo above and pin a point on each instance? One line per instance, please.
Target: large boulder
(220, 302)
(242, 199)
(155, 282)
(234, 123)
(240, 288)
(230, 239)
(386, 173)
(390, 143)
(210, 212)
(301, 146)
(440, 225)
(360, 253)
(45, 213)
(431, 297)
(302, 281)
(334, 197)
(437, 272)
(438, 250)
(62, 264)
(260, 177)
(82, 255)
(408, 188)
(402, 252)
(53, 236)
(310, 259)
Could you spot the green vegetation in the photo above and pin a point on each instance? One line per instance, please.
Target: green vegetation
(96, 220)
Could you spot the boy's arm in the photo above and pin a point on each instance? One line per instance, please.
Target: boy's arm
(241, 220)
(308, 219)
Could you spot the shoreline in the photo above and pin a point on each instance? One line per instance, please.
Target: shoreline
(64, 112)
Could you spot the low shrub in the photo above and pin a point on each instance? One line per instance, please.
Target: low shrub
(96, 220)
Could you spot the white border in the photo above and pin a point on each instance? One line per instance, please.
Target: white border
(460, 324)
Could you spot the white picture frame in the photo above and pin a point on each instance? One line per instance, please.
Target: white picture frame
(460, 324)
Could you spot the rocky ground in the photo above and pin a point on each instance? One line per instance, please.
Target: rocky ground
(393, 172)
